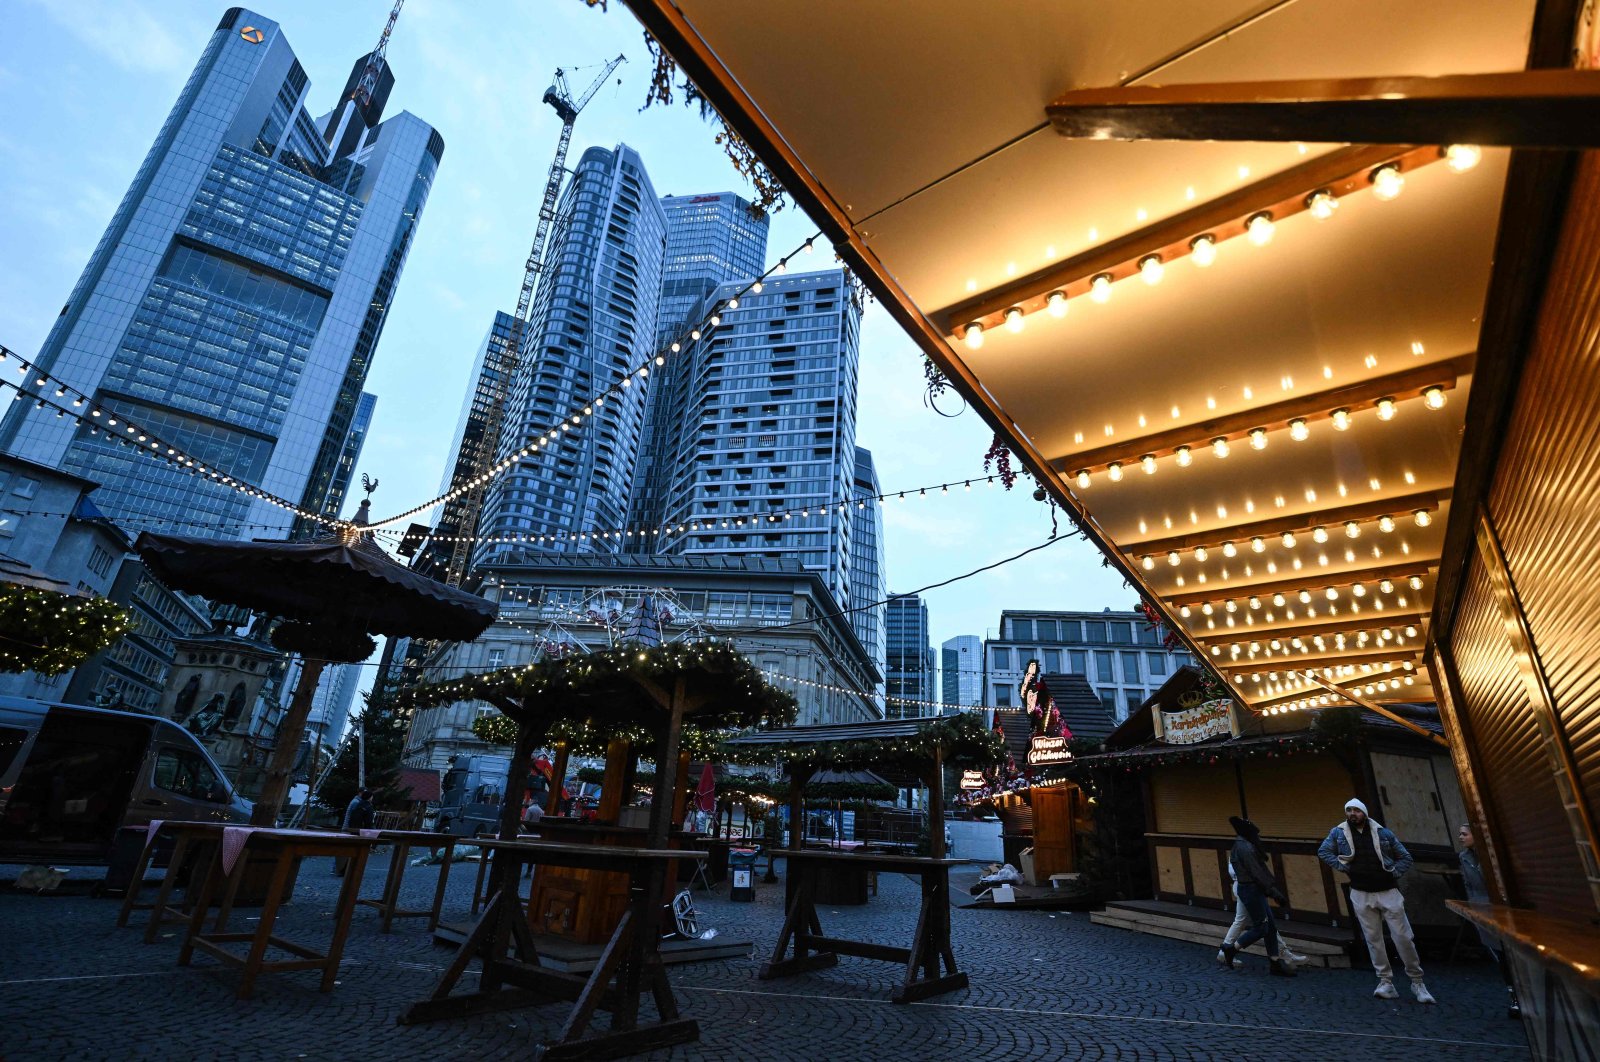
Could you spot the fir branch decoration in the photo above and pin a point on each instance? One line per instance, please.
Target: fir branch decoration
(49, 632)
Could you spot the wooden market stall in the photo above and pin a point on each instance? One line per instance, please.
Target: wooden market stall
(661, 701)
(917, 750)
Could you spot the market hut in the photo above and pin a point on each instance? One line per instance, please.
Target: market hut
(1290, 305)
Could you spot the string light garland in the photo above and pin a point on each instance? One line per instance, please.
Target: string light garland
(49, 632)
(1287, 531)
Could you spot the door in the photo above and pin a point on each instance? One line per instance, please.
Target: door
(182, 785)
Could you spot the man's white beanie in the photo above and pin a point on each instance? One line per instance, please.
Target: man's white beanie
(1357, 804)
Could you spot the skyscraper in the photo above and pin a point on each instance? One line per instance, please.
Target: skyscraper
(766, 425)
(909, 655)
(961, 665)
(234, 304)
(350, 456)
(867, 573)
(711, 240)
(593, 321)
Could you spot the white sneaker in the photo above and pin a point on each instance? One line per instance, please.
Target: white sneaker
(1385, 990)
(1420, 992)
(1294, 956)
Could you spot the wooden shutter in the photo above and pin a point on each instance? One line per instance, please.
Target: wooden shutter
(1194, 799)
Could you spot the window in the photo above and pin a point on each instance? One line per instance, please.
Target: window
(1103, 670)
(497, 658)
(99, 562)
(1002, 660)
(1157, 663)
(1078, 658)
(1002, 696)
(8, 524)
(25, 487)
(1130, 668)
(1047, 630)
(187, 774)
(1109, 699)
(1122, 632)
(1135, 698)
(1149, 635)
(1052, 661)
(1094, 632)
(1022, 628)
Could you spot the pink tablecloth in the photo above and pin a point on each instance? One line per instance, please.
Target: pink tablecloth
(234, 839)
(153, 829)
(373, 834)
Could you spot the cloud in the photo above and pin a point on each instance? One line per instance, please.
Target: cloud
(123, 32)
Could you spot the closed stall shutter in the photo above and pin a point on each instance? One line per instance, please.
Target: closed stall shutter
(1194, 799)
(1297, 796)
(1516, 780)
(1408, 800)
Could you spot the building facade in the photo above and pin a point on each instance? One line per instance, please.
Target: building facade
(868, 571)
(1119, 653)
(234, 303)
(762, 462)
(961, 670)
(593, 321)
(350, 456)
(910, 668)
(576, 603)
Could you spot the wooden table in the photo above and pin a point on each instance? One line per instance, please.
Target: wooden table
(285, 849)
(403, 841)
(929, 946)
(190, 839)
(628, 966)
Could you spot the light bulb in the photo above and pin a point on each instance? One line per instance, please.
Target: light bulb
(1385, 409)
(1148, 463)
(1411, 631)
(1360, 590)
(1332, 593)
(1422, 517)
(1056, 305)
(1255, 603)
(1387, 181)
(807, 247)
(1386, 523)
(1185, 611)
(733, 304)
(1203, 249)
(1014, 319)
(1385, 587)
(1415, 582)
(660, 360)
(1147, 562)
(1258, 544)
(1305, 597)
(1462, 157)
(1229, 550)
(695, 334)
(1433, 397)
(1231, 605)
(1288, 540)
(973, 335)
(1278, 599)
(756, 287)
(1100, 287)
(676, 348)
(1321, 204)
(1184, 456)
(1258, 229)
(1150, 268)
(1341, 419)
(716, 319)
(1201, 554)
(1219, 446)
(1206, 609)
(1114, 471)
(1083, 478)
(1352, 529)
(1258, 438)
(1298, 430)
(1173, 558)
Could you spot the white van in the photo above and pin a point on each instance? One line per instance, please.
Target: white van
(70, 777)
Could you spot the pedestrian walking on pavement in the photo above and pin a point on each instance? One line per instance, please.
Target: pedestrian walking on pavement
(1241, 922)
(358, 816)
(1254, 884)
(1375, 860)
(1478, 892)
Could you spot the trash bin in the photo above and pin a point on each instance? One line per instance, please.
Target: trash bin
(742, 869)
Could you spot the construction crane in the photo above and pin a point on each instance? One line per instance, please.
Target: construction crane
(559, 97)
(362, 93)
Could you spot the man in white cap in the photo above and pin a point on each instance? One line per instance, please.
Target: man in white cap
(1375, 860)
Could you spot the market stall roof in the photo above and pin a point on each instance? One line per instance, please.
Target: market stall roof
(1293, 371)
(891, 747)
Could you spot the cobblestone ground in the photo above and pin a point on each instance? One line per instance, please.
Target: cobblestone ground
(73, 986)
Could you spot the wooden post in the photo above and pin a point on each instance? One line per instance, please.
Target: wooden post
(798, 777)
(662, 805)
(558, 779)
(285, 744)
(680, 796)
(618, 750)
(936, 804)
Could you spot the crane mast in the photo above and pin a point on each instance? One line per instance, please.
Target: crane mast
(559, 97)
(362, 93)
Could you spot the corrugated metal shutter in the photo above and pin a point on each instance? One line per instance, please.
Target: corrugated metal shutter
(1516, 773)
(1194, 799)
(1298, 796)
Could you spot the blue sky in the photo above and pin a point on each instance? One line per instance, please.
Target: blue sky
(85, 84)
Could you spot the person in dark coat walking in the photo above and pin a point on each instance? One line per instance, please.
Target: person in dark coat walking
(1256, 884)
(358, 816)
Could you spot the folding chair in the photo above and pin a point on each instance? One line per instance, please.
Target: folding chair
(683, 916)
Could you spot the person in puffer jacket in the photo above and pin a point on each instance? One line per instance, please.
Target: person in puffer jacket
(1255, 884)
(1375, 860)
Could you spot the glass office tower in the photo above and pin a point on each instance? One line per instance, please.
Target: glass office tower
(910, 657)
(235, 302)
(868, 576)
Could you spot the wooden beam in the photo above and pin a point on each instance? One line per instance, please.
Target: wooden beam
(1403, 385)
(1310, 581)
(1521, 108)
(1282, 194)
(1374, 706)
(1400, 507)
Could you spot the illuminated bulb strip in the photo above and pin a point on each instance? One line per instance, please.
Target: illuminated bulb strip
(1310, 594)
(1385, 523)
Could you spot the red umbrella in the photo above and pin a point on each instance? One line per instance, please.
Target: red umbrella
(705, 797)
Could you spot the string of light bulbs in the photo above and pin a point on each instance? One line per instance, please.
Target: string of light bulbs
(575, 416)
(1307, 596)
(1257, 227)
(1387, 683)
(1286, 646)
(1289, 538)
(143, 440)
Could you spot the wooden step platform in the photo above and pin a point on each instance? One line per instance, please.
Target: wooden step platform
(563, 956)
(1325, 946)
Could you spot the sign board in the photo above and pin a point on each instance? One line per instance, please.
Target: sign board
(741, 879)
(971, 779)
(1043, 749)
(1197, 721)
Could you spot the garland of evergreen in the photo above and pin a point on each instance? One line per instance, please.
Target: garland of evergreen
(49, 632)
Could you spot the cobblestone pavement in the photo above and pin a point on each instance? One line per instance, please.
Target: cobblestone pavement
(1044, 986)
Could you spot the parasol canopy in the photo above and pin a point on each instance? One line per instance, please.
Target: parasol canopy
(705, 797)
